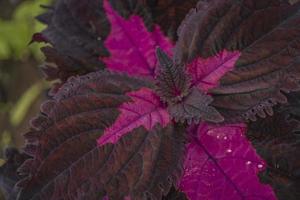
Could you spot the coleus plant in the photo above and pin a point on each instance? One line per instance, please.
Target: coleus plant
(140, 113)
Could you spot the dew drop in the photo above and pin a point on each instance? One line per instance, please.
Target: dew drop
(260, 166)
(228, 150)
(248, 162)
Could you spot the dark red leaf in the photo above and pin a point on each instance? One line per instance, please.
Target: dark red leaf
(277, 141)
(293, 107)
(283, 166)
(175, 194)
(76, 30)
(68, 163)
(38, 37)
(278, 125)
(267, 34)
(8, 172)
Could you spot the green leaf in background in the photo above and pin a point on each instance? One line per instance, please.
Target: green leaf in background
(6, 138)
(19, 110)
(15, 34)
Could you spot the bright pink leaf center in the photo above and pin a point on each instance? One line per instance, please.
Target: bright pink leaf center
(144, 110)
(132, 46)
(221, 164)
(206, 73)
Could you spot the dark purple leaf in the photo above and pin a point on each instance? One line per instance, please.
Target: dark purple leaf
(67, 163)
(76, 30)
(276, 140)
(8, 172)
(175, 194)
(283, 167)
(195, 107)
(278, 125)
(267, 35)
(38, 37)
(293, 107)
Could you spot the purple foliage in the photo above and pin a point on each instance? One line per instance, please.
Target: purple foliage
(157, 125)
(218, 158)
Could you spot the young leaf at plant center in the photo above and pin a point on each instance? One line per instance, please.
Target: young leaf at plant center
(173, 83)
(131, 45)
(221, 164)
(195, 107)
(145, 110)
(67, 161)
(266, 33)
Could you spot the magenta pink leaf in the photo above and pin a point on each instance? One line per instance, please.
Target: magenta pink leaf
(131, 45)
(144, 110)
(206, 72)
(222, 165)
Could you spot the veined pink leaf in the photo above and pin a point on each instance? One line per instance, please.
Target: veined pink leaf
(206, 72)
(222, 165)
(144, 110)
(131, 45)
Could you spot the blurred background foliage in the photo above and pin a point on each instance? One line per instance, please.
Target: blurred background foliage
(22, 88)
